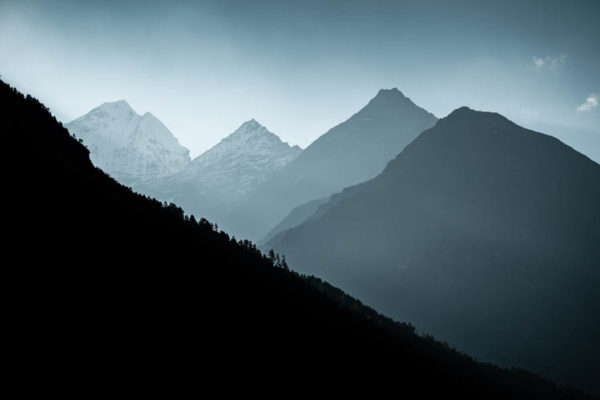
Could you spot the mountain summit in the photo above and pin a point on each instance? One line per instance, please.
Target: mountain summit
(387, 97)
(482, 233)
(251, 128)
(248, 156)
(130, 147)
(351, 152)
(235, 166)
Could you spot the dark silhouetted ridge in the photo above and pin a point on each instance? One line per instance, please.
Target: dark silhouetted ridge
(482, 233)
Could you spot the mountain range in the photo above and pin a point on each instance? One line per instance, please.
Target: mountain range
(251, 180)
(351, 152)
(477, 225)
(113, 291)
(226, 172)
(480, 232)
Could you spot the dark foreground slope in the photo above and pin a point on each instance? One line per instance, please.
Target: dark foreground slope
(110, 288)
(482, 233)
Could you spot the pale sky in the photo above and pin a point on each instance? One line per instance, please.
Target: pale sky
(300, 68)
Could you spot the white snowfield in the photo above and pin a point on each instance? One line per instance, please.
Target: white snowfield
(139, 151)
(132, 148)
(235, 165)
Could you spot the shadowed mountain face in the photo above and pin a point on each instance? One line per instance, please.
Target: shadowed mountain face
(480, 232)
(114, 290)
(352, 152)
(585, 141)
(296, 217)
(213, 181)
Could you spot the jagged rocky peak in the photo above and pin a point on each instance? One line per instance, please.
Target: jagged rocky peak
(252, 129)
(225, 172)
(247, 142)
(249, 128)
(252, 138)
(251, 125)
(115, 109)
(130, 147)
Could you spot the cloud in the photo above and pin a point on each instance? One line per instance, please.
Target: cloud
(590, 103)
(549, 62)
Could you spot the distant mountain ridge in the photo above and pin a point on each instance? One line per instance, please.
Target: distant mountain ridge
(351, 152)
(235, 166)
(296, 217)
(117, 290)
(481, 232)
(132, 148)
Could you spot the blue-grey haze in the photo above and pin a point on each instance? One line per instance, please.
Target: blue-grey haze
(301, 67)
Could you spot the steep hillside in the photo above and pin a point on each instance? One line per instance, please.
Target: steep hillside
(111, 291)
(481, 232)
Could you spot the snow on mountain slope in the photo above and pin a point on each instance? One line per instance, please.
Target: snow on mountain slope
(233, 167)
(130, 147)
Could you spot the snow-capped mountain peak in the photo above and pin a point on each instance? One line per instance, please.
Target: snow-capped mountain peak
(116, 105)
(132, 148)
(251, 145)
(233, 167)
(248, 130)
